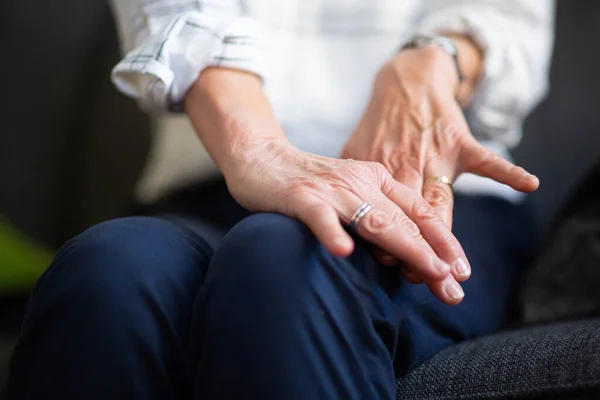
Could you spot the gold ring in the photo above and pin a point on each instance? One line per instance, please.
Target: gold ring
(441, 179)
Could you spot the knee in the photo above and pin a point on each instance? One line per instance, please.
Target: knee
(270, 255)
(114, 261)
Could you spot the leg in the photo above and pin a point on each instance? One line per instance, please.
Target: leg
(109, 318)
(279, 318)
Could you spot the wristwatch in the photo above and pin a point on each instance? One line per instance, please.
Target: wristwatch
(442, 42)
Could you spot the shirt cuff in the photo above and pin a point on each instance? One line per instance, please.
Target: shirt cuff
(159, 72)
(496, 112)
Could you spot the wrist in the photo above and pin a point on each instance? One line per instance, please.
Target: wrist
(428, 65)
(450, 58)
(232, 117)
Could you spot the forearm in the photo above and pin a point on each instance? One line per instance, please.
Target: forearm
(232, 116)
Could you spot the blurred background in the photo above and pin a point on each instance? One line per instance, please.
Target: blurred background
(74, 152)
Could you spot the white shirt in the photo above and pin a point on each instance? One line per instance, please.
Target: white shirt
(318, 58)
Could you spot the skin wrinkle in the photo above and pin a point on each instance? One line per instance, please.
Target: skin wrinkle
(423, 211)
(406, 134)
(404, 124)
(377, 222)
(435, 195)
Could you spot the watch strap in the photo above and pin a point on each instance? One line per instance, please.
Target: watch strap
(443, 42)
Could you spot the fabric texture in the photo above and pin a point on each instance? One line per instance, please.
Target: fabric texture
(558, 361)
(318, 59)
(563, 282)
(173, 40)
(267, 313)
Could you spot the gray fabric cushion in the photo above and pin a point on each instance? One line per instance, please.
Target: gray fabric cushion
(558, 361)
(563, 283)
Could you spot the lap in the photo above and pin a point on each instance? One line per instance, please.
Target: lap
(275, 257)
(131, 250)
(186, 315)
(496, 236)
(494, 233)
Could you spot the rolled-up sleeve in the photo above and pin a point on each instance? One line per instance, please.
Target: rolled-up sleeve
(516, 37)
(167, 43)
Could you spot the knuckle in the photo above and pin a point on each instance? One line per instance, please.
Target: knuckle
(302, 197)
(448, 244)
(408, 225)
(437, 195)
(360, 171)
(377, 169)
(378, 222)
(423, 211)
(391, 188)
(444, 242)
(301, 188)
(488, 158)
(313, 210)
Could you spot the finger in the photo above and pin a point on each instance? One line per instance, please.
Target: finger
(434, 230)
(388, 227)
(324, 222)
(439, 194)
(411, 178)
(409, 276)
(484, 162)
(448, 290)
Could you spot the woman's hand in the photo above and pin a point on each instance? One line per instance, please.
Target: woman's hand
(324, 193)
(415, 127)
(265, 173)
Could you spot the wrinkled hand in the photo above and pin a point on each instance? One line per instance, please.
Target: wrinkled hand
(264, 172)
(324, 193)
(415, 127)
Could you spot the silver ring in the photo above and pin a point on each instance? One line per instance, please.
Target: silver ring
(361, 212)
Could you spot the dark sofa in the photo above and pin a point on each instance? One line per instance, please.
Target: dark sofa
(71, 149)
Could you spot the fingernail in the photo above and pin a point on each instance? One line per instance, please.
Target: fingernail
(453, 290)
(441, 266)
(462, 267)
(527, 175)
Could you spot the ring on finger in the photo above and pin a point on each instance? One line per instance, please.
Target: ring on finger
(359, 214)
(441, 178)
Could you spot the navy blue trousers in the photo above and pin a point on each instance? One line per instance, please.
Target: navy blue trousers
(146, 308)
